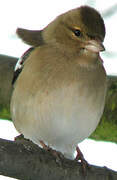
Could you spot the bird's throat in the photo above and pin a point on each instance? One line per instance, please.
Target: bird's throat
(88, 58)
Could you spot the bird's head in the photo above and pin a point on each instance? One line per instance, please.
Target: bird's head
(78, 29)
(81, 28)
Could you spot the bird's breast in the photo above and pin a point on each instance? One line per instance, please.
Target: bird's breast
(63, 107)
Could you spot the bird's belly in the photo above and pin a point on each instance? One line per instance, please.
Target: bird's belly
(63, 117)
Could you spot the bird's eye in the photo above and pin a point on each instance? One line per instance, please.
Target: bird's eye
(77, 32)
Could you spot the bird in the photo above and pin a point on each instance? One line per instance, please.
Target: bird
(60, 83)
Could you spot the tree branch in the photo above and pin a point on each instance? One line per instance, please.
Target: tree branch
(26, 161)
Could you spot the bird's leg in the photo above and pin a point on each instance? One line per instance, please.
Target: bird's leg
(47, 148)
(80, 157)
(56, 154)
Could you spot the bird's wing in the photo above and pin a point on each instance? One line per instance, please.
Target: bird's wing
(20, 63)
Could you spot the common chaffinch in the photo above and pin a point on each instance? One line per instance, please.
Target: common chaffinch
(59, 94)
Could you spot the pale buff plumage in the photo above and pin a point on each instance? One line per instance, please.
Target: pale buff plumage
(59, 95)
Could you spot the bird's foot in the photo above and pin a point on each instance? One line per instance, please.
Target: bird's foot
(19, 138)
(28, 144)
(58, 155)
(44, 146)
(80, 157)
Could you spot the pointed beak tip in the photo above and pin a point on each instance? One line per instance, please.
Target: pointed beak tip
(95, 46)
(103, 48)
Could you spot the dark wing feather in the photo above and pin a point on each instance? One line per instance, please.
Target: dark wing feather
(20, 64)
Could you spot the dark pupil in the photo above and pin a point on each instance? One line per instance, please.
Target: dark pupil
(77, 32)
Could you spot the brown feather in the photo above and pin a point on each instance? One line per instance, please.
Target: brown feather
(30, 37)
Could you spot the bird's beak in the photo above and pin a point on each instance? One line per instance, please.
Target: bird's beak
(95, 46)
